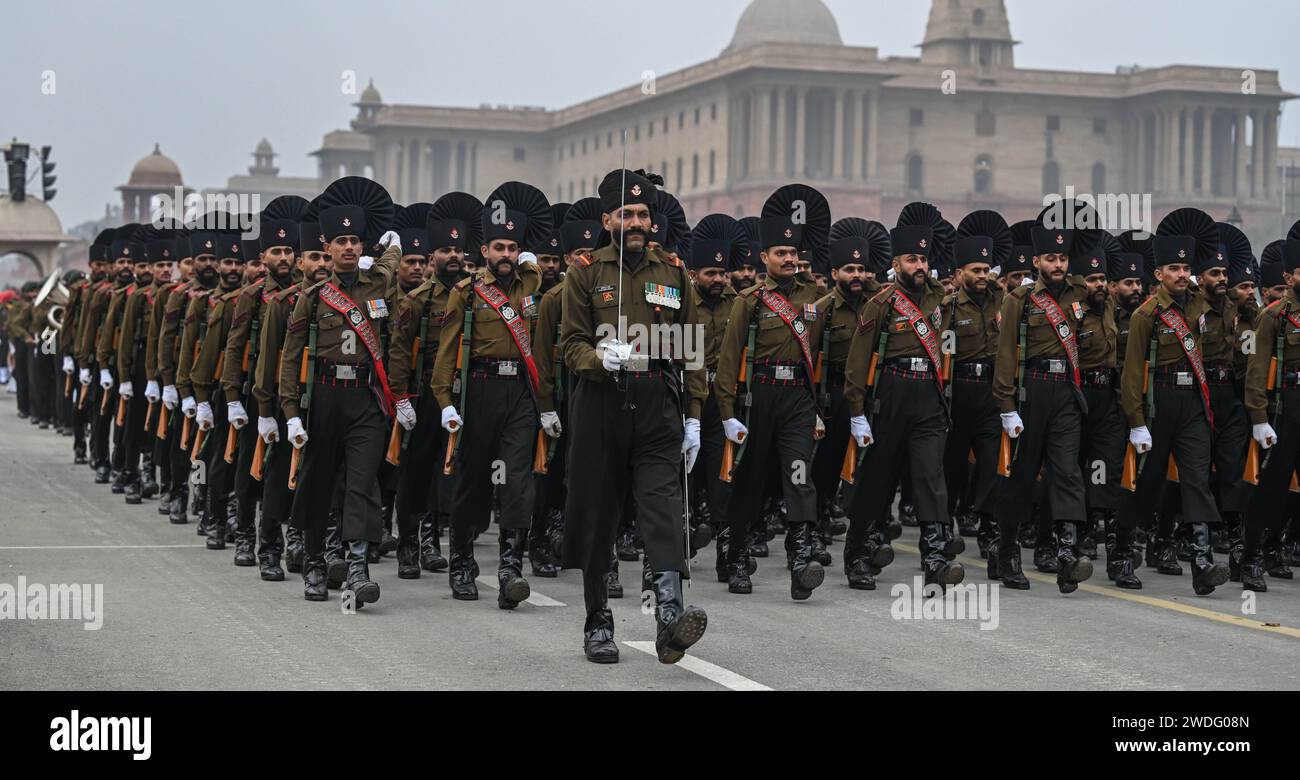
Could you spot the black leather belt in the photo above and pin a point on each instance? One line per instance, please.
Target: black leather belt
(331, 373)
(915, 365)
(1220, 374)
(1099, 377)
(1048, 365)
(779, 372)
(496, 368)
(975, 370)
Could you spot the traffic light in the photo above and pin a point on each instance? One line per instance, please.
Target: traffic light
(16, 162)
(47, 179)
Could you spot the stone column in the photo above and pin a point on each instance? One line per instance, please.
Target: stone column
(800, 131)
(779, 170)
(852, 103)
(1256, 153)
(761, 119)
(1187, 137)
(1270, 152)
(1240, 184)
(1171, 151)
(873, 137)
(1207, 137)
(837, 138)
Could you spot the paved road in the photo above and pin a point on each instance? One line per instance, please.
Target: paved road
(177, 616)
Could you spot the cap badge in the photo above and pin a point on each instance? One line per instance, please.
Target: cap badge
(455, 233)
(554, 242)
(510, 225)
(126, 251)
(636, 190)
(1060, 239)
(718, 257)
(1095, 262)
(347, 222)
(586, 234)
(857, 254)
(1182, 254)
(984, 252)
(923, 243)
(207, 244)
(234, 249)
(415, 242)
(789, 233)
(654, 228)
(281, 233)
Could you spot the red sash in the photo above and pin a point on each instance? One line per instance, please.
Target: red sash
(1192, 350)
(500, 303)
(924, 333)
(1057, 319)
(338, 300)
(785, 310)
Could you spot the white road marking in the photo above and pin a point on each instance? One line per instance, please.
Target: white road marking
(536, 599)
(108, 547)
(711, 672)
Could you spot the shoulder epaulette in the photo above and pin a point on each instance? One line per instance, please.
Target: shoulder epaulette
(581, 261)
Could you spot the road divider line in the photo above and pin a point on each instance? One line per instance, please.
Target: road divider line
(1241, 621)
(536, 599)
(711, 672)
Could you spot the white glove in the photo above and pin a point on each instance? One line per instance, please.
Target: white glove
(691, 442)
(236, 415)
(68, 368)
(1265, 435)
(125, 390)
(527, 257)
(1140, 438)
(405, 414)
(203, 413)
(152, 392)
(551, 424)
(84, 376)
(450, 420)
(365, 263)
(268, 430)
(169, 396)
(187, 406)
(614, 354)
(390, 239)
(297, 433)
(105, 379)
(735, 430)
(861, 430)
(1012, 424)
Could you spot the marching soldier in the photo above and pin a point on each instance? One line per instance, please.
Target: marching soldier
(193, 327)
(1164, 356)
(774, 332)
(79, 301)
(277, 497)
(486, 334)
(1038, 372)
(89, 322)
(128, 253)
(205, 377)
(894, 373)
(1125, 272)
(164, 440)
(23, 339)
(334, 323)
(630, 410)
(971, 317)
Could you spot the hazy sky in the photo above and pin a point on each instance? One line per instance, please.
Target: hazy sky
(208, 81)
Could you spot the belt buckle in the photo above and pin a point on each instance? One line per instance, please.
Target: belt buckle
(919, 365)
(1055, 366)
(507, 368)
(344, 371)
(979, 369)
(712, 375)
(1183, 379)
(638, 363)
(784, 373)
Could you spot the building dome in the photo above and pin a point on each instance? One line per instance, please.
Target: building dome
(264, 147)
(28, 220)
(785, 21)
(370, 96)
(155, 170)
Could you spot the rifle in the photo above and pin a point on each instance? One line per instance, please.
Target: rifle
(148, 415)
(1006, 450)
(232, 436)
(397, 440)
(306, 378)
(731, 452)
(540, 451)
(200, 439)
(462, 365)
(259, 454)
(162, 422)
(121, 411)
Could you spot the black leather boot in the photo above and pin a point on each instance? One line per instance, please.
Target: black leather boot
(1234, 541)
(1091, 534)
(1045, 555)
(1275, 558)
(819, 551)
(738, 570)
(953, 544)
(270, 549)
(991, 533)
(336, 565)
(408, 557)
(293, 550)
(364, 590)
(461, 570)
(758, 543)
(555, 534)
(178, 513)
(722, 550)
(701, 535)
(613, 588)
(119, 482)
(1119, 557)
(907, 515)
(1163, 556)
(598, 637)
(102, 474)
(678, 626)
(1252, 566)
(244, 544)
(388, 543)
(134, 489)
(880, 553)
(1206, 574)
(217, 535)
(1183, 543)
(79, 455)
(1029, 534)
(1009, 570)
(510, 569)
(313, 578)
(806, 574)
(431, 544)
(968, 524)
(1072, 566)
(625, 547)
(938, 569)
(858, 572)
(539, 553)
(149, 485)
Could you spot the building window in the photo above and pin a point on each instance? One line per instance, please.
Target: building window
(1053, 123)
(978, 18)
(679, 174)
(713, 166)
(573, 149)
(595, 141)
(636, 132)
(584, 146)
(1098, 178)
(681, 119)
(650, 129)
(986, 54)
(695, 172)
(1099, 125)
(713, 112)
(520, 154)
(915, 173)
(697, 116)
(663, 170)
(917, 118)
(559, 190)
(561, 151)
(986, 123)
(1051, 178)
(983, 175)
(665, 125)
(609, 138)
(570, 198)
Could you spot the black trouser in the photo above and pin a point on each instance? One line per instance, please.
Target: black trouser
(277, 498)
(347, 430)
(421, 471)
(1181, 429)
(1271, 502)
(99, 423)
(42, 382)
(220, 474)
(1101, 454)
(176, 453)
(975, 427)
(910, 429)
(632, 441)
(709, 466)
(500, 430)
(829, 460)
(63, 410)
(133, 433)
(1231, 441)
(161, 455)
(248, 491)
(23, 375)
(115, 431)
(782, 422)
(1053, 423)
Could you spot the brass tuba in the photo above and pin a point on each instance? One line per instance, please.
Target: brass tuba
(55, 290)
